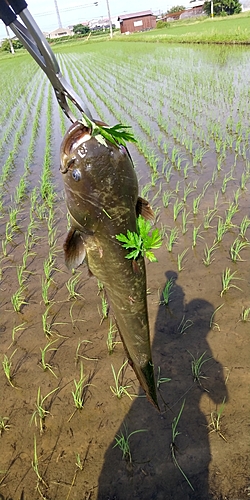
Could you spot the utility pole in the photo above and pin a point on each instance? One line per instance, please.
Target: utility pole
(10, 41)
(58, 15)
(212, 8)
(110, 22)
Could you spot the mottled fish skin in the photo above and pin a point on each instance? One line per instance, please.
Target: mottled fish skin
(102, 198)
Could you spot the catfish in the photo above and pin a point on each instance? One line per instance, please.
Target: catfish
(101, 190)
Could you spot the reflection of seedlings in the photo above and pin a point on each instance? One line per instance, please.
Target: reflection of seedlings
(161, 380)
(71, 287)
(196, 366)
(41, 411)
(180, 258)
(119, 389)
(216, 420)
(45, 365)
(184, 325)
(173, 447)
(236, 248)
(17, 299)
(245, 315)
(111, 337)
(208, 253)
(34, 464)
(4, 426)
(226, 279)
(166, 292)
(171, 238)
(7, 364)
(211, 323)
(196, 235)
(122, 441)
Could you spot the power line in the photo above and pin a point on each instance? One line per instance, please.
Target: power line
(66, 9)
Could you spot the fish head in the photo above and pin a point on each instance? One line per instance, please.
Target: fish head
(99, 179)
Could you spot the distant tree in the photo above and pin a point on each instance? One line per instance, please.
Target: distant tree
(6, 45)
(223, 7)
(79, 29)
(177, 8)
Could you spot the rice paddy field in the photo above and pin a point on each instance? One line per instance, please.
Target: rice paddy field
(64, 432)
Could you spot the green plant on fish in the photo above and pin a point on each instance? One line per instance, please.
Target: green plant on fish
(141, 242)
(118, 134)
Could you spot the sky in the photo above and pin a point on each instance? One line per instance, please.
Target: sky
(78, 11)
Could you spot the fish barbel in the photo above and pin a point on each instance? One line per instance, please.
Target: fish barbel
(101, 190)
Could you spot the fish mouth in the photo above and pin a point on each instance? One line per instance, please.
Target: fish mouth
(77, 134)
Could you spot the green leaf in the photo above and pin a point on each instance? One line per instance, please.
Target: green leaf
(118, 134)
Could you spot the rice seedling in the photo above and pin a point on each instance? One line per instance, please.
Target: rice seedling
(208, 254)
(118, 389)
(184, 325)
(71, 285)
(196, 366)
(166, 292)
(180, 258)
(244, 225)
(166, 197)
(47, 327)
(226, 279)
(41, 412)
(100, 287)
(208, 217)
(4, 247)
(236, 248)
(45, 289)
(172, 238)
(215, 423)
(167, 173)
(232, 210)
(78, 356)
(196, 203)
(122, 441)
(245, 314)
(7, 365)
(211, 323)
(244, 179)
(196, 235)
(173, 447)
(111, 343)
(16, 329)
(186, 191)
(178, 206)
(161, 380)
(79, 394)
(145, 190)
(4, 426)
(227, 177)
(184, 221)
(105, 308)
(35, 468)
(44, 364)
(221, 230)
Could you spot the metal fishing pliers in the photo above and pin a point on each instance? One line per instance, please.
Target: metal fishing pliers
(34, 41)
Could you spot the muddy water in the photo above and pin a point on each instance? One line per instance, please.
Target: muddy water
(213, 459)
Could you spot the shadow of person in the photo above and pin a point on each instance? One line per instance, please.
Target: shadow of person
(180, 337)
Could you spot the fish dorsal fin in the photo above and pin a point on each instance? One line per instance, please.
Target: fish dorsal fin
(74, 249)
(144, 209)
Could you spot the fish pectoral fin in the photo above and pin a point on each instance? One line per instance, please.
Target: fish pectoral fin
(144, 209)
(74, 249)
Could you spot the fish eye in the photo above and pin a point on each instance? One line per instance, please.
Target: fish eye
(76, 174)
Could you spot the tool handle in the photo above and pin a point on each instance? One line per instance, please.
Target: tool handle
(18, 5)
(6, 14)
